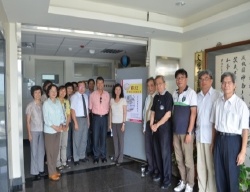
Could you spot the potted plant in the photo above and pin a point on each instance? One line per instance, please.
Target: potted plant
(244, 179)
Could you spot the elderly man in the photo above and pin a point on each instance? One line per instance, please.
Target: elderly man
(146, 127)
(205, 166)
(162, 134)
(230, 117)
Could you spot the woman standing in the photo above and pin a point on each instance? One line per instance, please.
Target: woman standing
(46, 84)
(54, 124)
(69, 91)
(34, 117)
(62, 156)
(117, 115)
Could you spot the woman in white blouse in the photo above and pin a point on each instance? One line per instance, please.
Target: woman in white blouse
(117, 115)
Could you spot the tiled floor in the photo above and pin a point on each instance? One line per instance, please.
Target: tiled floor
(102, 177)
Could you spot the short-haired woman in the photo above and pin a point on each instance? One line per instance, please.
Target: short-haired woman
(34, 118)
(117, 115)
(54, 123)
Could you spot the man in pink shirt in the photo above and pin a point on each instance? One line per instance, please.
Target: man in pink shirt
(99, 106)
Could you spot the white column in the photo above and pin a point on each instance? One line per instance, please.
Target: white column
(14, 103)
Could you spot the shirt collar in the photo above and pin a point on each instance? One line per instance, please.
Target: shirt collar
(163, 92)
(231, 99)
(177, 90)
(210, 91)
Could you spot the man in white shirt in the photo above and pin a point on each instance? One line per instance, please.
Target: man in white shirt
(146, 127)
(230, 118)
(80, 117)
(205, 166)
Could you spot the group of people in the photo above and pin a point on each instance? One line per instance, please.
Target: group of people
(68, 122)
(219, 121)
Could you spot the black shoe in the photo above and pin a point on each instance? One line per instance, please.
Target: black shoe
(66, 166)
(156, 179)
(95, 161)
(60, 168)
(84, 160)
(104, 160)
(37, 177)
(76, 163)
(42, 174)
(148, 172)
(165, 186)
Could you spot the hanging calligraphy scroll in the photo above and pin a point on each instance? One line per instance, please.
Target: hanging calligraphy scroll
(198, 66)
(239, 64)
(234, 57)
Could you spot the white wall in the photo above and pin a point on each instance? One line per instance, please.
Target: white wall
(240, 33)
(232, 35)
(163, 49)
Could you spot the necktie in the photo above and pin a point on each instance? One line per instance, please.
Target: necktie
(149, 107)
(84, 106)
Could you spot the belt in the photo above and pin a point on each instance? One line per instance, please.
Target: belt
(226, 134)
(82, 117)
(96, 115)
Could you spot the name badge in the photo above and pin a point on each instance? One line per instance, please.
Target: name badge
(161, 107)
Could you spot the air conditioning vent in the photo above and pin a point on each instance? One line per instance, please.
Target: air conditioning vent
(111, 51)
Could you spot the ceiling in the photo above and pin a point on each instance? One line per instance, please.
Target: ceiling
(159, 19)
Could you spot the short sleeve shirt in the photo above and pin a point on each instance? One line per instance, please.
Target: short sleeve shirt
(161, 105)
(117, 110)
(77, 104)
(36, 116)
(230, 116)
(182, 109)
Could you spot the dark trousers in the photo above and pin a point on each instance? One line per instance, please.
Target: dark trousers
(70, 141)
(149, 148)
(162, 140)
(100, 124)
(118, 138)
(226, 150)
(89, 148)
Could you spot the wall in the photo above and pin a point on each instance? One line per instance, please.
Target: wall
(240, 33)
(163, 49)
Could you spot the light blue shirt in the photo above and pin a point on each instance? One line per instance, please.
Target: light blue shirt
(52, 115)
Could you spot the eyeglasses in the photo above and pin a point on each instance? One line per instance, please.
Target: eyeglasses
(100, 100)
(180, 78)
(204, 79)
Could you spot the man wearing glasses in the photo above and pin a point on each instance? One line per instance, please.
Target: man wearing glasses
(206, 97)
(99, 106)
(184, 114)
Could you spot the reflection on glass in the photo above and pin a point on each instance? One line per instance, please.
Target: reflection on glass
(3, 137)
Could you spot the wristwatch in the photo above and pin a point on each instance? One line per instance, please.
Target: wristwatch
(188, 133)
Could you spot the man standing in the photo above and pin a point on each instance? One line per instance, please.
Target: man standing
(99, 106)
(80, 117)
(146, 127)
(162, 136)
(91, 87)
(184, 114)
(205, 166)
(230, 117)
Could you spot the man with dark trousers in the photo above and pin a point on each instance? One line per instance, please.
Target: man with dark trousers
(99, 106)
(152, 168)
(162, 134)
(230, 117)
